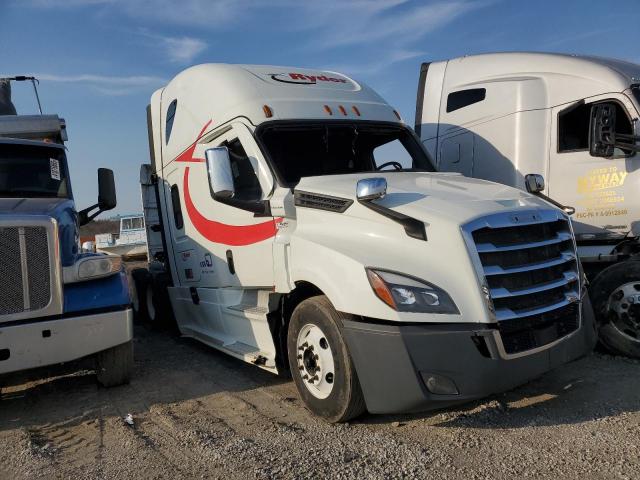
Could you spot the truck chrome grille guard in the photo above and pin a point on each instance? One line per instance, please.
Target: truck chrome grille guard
(527, 264)
(30, 281)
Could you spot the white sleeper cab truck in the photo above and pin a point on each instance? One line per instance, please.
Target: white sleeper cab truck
(306, 231)
(58, 303)
(574, 121)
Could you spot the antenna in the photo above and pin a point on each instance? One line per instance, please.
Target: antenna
(34, 82)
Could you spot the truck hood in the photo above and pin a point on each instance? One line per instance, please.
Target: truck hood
(427, 195)
(62, 209)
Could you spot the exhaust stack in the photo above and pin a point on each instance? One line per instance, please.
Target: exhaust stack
(6, 105)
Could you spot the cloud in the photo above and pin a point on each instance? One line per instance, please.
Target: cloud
(183, 49)
(395, 23)
(177, 49)
(382, 61)
(108, 85)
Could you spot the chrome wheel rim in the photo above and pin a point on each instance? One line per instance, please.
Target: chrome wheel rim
(315, 361)
(624, 310)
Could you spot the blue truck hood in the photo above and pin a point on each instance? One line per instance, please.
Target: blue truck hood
(62, 209)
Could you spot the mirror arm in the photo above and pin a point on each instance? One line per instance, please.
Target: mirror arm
(625, 138)
(565, 208)
(84, 217)
(412, 227)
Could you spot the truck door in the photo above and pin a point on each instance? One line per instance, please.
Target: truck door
(602, 190)
(456, 154)
(221, 252)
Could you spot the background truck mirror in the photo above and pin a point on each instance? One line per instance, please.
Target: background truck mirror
(219, 172)
(534, 182)
(602, 129)
(106, 190)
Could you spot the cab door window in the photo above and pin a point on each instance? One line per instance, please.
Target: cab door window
(573, 128)
(245, 179)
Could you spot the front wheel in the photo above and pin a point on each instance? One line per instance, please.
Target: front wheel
(320, 363)
(615, 294)
(114, 366)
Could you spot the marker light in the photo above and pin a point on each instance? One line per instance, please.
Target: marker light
(397, 115)
(342, 110)
(409, 294)
(355, 110)
(267, 111)
(327, 109)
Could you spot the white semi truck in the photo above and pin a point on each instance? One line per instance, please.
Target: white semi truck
(572, 119)
(304, 229)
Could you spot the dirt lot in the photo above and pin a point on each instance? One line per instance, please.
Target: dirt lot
(199, 413)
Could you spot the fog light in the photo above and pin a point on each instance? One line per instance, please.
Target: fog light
(439, 384)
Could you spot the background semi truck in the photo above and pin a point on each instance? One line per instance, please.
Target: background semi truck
(574, 120)
(296, 223)
(57, 304)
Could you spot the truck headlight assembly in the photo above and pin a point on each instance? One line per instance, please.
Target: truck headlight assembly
(93, 267)
(409, 294)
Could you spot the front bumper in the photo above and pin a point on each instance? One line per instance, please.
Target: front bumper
(24, 346)
(394, 362)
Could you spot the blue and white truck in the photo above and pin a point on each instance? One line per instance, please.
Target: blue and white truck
(57, 304)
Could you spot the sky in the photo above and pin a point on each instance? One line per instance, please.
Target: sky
(99, 61)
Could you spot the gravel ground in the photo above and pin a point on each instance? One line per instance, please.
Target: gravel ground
(199, 413)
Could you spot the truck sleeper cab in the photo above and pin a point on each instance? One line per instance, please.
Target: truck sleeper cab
(502, 116)
(57, 304)
(305, 230)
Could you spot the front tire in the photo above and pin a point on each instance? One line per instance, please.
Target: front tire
(114, 366)
(615, 294)
(320, 363)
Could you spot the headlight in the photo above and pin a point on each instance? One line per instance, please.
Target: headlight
(409, 294)
(90, 268)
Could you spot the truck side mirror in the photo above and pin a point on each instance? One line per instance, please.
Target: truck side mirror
(219, 172)
(106, 197)
(106, 190)
(602, 129)
(371, 188)
(534, 183)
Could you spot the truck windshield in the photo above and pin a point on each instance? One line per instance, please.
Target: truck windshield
(28, 171)
(315, 149)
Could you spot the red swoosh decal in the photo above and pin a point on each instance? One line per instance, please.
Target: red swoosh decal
(235, 235)
(187, 155)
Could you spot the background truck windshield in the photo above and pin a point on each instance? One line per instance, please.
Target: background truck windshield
(27, 171)
(309, 150)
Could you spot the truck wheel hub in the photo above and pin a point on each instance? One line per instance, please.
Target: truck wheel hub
(624, 307)
(315, 361)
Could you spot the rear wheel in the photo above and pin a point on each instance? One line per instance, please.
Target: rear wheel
(139, 281)
(615, 294)
(320, 363)
(114, 366)
(150, 306)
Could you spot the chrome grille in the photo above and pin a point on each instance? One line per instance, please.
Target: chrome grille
(12, 299)
(25, 270)
(529, 264)
(38, 267)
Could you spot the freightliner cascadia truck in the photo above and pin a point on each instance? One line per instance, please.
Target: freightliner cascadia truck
(304, 229)
(572, 119)
(57, 304)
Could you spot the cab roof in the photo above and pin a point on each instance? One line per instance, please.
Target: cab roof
(213, 94)
(566, 78)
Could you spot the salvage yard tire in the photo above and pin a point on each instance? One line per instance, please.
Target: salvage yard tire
(320, 363)
(615, 294)
(114, 366)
